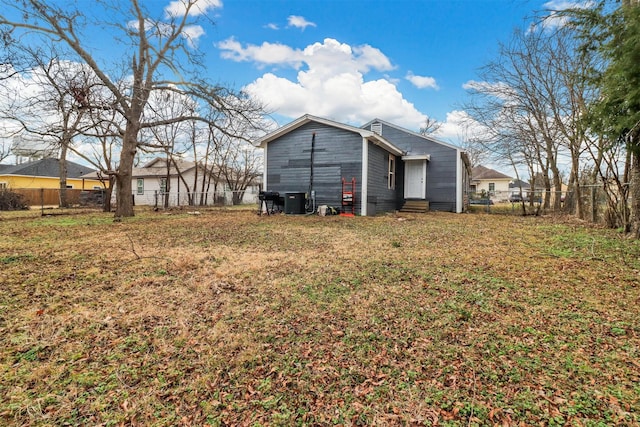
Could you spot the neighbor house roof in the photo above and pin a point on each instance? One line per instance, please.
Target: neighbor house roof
(484, 173)
(48, 167)
(519, 184)
(307, 118)
(158, 167)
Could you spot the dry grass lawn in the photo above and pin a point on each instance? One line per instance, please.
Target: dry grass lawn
(229, 318)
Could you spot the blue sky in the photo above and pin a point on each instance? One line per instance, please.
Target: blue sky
(346, 60)
(408, 59)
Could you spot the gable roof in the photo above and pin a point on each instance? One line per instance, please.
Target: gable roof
(307, 118)
(400, 128)
(517, 183)
(48, 167)
(158, 167)
(481, 172)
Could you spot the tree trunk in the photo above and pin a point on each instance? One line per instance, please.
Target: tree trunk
(545, 203)
(124, 194)
(557, 185)
(237, 196)
(575, 171)
(106, 203)
(64, 202)
(634, 190)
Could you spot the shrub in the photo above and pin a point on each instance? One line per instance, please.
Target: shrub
(10, 201)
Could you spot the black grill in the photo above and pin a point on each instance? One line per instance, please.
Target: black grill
(271, 196)
(270, 202)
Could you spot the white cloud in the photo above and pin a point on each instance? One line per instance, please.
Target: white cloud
(330, 82)
(459, 126)
(370, 57)
(554, 18)
(299, 22)
(422, 82)
(485, 87)
(272, 26)
(499, 90)
(178, 8)
(320, 57)
(192, 34)
(265, 54)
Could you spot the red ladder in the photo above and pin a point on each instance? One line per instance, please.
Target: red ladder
(348, 198)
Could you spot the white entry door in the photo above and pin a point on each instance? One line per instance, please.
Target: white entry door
(415, 176)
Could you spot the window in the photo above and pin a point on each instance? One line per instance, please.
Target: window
(163, 185)
(3, 186)
(492, 187)
(391, 177)
(376, 128)
(140, 185)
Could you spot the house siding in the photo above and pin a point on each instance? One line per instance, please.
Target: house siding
(14, 182)
(380, 197)
(441, 170)
(151, 195)
(181, 194)
(337, 155)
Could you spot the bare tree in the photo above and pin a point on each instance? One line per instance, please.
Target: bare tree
(239, 165)
(51, 105)
(430, 126)
(161, 57)
(609, 33)
(5, 146)
(173, 138)
(98, 146)
(533, 98)
(476, 151)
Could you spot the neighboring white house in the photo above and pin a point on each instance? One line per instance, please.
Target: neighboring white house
(491, 182)
(183, 183)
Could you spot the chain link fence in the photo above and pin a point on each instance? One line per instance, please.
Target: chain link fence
(160, 199)
(50, 198)
(593, 203)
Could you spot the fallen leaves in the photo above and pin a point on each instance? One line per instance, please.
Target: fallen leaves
(234, 319)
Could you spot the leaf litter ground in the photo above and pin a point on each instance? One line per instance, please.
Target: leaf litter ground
(229, 318)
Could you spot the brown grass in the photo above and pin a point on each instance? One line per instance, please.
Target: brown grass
(228, 318)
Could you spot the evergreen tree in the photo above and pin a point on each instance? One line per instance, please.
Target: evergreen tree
(611, 33)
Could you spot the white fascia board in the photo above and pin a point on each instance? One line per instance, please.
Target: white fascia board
(264, 166)
(459, 175)
(426, 157)
(365, 177)
(380, 141)
(375, 138)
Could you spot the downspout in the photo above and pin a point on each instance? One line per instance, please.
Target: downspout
(311, 201)
(459, 182)
(365, 176)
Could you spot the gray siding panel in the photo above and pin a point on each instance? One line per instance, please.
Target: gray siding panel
(441, 169)
(337, 154)
(380, 197)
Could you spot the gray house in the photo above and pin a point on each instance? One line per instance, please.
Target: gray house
(391, 166)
